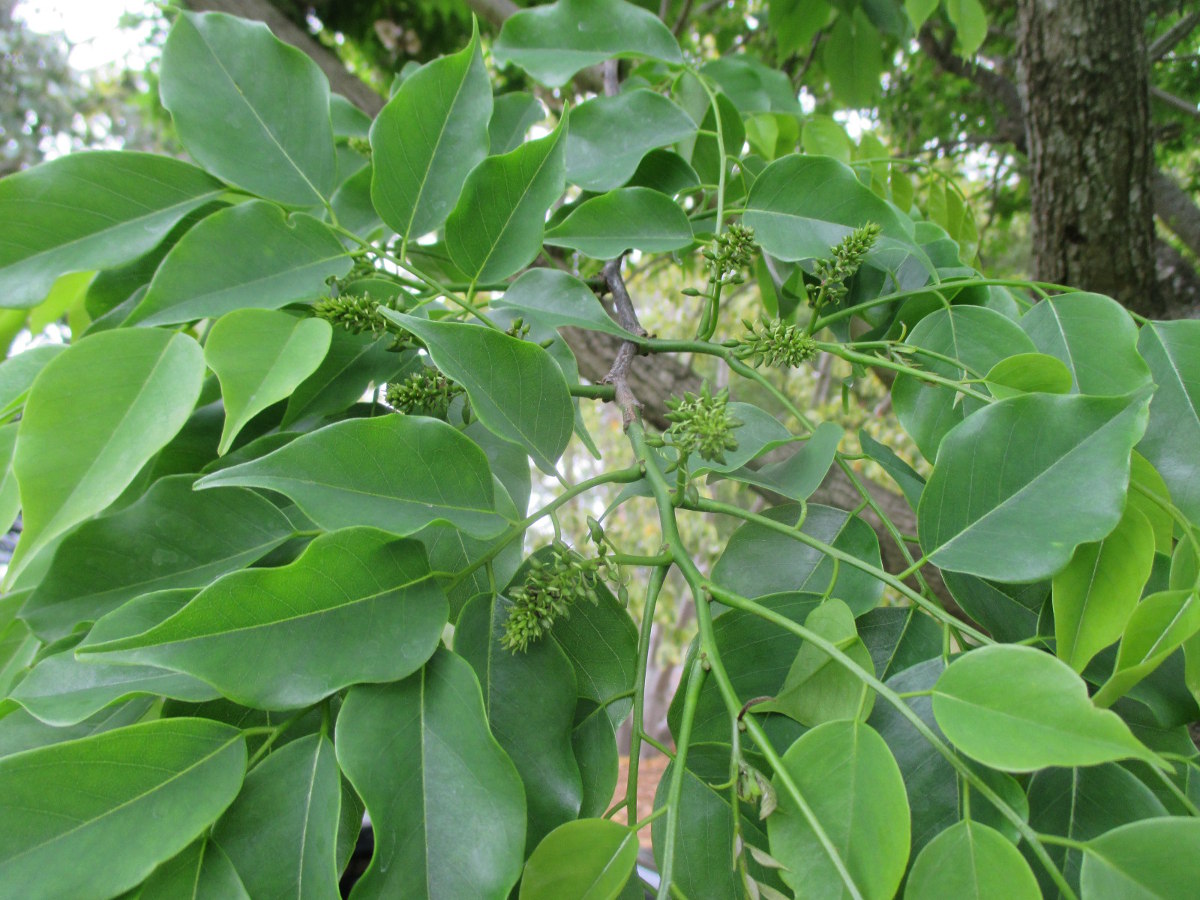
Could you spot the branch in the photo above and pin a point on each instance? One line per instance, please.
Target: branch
(493, 11)
(618, 373)
(1172, 36)
(1177, 210)
(1175, 102)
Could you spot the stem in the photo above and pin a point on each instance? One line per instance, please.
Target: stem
(657, 578)
(675, 790)
(920, 374)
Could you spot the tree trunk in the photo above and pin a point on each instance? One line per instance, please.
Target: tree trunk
(1084, 86)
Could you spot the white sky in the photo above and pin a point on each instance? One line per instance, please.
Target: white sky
(90, 25)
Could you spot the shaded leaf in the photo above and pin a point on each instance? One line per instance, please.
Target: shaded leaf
(1172, 441)
(635, 218)
(588, 859)
(558, 298)
(1158, 626)
(1153, 858)
(201, 872)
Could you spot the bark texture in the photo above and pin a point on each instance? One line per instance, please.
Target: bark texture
(1084, 87)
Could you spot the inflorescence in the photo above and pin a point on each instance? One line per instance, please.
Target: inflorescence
(775, 343)
(552, 586)
(702, 424)
(848, 256)
(424, 393)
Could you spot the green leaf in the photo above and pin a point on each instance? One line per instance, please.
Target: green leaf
(852, 784)
(354, 364)
(1159, 626)
(589, 859)
(1172, 441)
(979, 338)
(349, 474)
(20, 730)
(530, 702)
(18, 647)
(1018, 709)
(666, 172)
(759, 561)
(853, 60)
(635, 218)
(496, 228)
(1143, 477)
(513, 115)
(919, 10)
(223, 80)
(907, 478)
(80, 821)
(798, 476)
(89, 211)
(970, 860)
(802, 206)
(171, 537)
(609, 136)
(899, 637)
(554, 42)
(281, 830)
(1027, 373)
(557, 298)
(18, 372)
(358, 605)
(1081, 804)
(201, 872)
(1094, 336)
(515, 387)
(1155, 858)
(260, 356)
(794, 23)
(970, 22)
(120, 395)
(817, 688)
(1097, 592)
(252, 255)
(822, 136)
(1009, 612)
(595, 744)
(434, 780)
(1049, 473)
(432, 132)
(61, 690)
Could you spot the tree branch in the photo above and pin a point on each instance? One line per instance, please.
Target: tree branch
(1172, 36)
(1175, 102)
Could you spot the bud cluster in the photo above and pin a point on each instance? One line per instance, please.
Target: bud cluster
(550, 588)
(354, 312)
(702, 424)
(775, 343)
(847, 257)
(424, 393)
(732, 253)
(360, 145)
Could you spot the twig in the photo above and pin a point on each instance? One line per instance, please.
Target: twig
(1172, 36)
(618, 375)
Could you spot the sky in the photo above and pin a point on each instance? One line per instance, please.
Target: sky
(90, 25)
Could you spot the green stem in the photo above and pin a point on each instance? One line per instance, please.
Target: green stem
(593, 391)
(695, 680)
(657, 578)
(920, 374)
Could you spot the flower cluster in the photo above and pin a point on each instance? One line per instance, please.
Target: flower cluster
(424, 393)
(775, 343)
(552, 585)
(703, 424)
(732, 253)
(847, 257)
(354, 312)
(360, 145)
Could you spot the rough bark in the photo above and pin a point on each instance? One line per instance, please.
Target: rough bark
(1084, 86)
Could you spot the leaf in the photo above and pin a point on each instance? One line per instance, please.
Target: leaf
(911, 483)
(1172, 441)
(795, 23)
(635, 218)
(802, 206)
(970, 860)
(970, 23)
(1159, 626)
(823, 136)
(1097, 592)
(817, 688)
(201, 872)
(358, 605)
(851, 782)
(530, 702)
(88, 211)
(514, 386)
(80, 821)
(434, 781)
(251, 255)
(348, 474)
(798, 476)
(1009, 612)
(20, 730)
(120, 395)
(1027, 373)
(281, 830)
(171, 537)
(589, 859)
(18, 372)
(513, 115)
(496, 228)
(432, 132)
(595, 745)
(554, 42)
(899, 638)
(919, 10)
(853, 60)
(979, 338)
(1094, 336)
(260, 357)
(1049, 473)
(60, 690)
(558, 298)
(1143, 477)
(759, 561)
(354, 364)
(222, 81)
(1018, 709)
(1155, 858)
(1081, 804)
(609, 136)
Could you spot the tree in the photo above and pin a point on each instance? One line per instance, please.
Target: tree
(248, 602)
